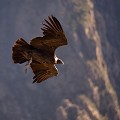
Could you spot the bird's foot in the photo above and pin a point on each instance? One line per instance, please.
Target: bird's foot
(28, 65)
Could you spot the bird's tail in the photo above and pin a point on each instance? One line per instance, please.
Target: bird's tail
(18, 51)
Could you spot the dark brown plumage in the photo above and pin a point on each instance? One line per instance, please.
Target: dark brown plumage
(40, 53)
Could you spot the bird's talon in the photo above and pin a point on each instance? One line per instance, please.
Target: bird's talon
(28, 65)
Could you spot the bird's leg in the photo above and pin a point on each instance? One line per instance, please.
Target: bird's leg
(28, 64)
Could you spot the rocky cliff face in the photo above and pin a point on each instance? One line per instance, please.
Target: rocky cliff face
(87, 87)
(93, 29)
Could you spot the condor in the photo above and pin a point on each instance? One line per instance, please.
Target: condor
(40, 53)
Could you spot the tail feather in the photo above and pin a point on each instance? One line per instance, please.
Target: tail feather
(17, 51)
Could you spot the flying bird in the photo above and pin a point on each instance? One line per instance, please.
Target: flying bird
(40, 52)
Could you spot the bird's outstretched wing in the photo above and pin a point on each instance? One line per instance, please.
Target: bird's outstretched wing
(43, 72)
(53, 35)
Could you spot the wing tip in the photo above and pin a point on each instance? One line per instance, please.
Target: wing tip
(51, 25)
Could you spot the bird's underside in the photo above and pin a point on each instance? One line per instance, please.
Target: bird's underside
(40, 53)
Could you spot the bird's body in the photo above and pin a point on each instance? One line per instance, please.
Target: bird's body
(40, 53)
